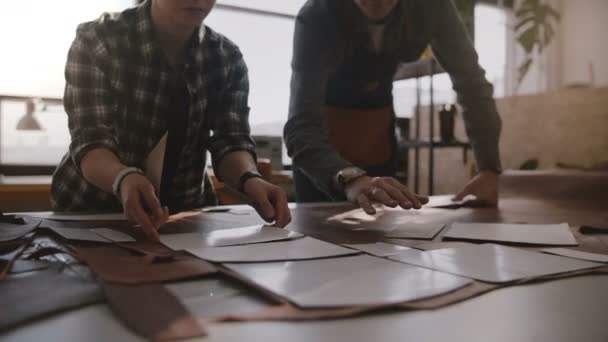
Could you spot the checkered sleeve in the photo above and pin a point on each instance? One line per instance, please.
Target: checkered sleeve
(87, 98)
(230, 123)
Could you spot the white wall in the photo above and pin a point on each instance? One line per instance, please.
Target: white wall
(35, 37)
(584, 28)
(578, 55)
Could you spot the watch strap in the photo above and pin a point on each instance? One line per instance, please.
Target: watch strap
(121, 176)
(245, 177)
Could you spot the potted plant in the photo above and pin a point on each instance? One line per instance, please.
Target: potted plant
(534, 30)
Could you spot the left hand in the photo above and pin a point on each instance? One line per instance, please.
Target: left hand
(268, 200)
(484, 186)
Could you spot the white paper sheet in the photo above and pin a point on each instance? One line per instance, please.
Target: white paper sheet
(537, 234)
(227, 237)
(113, 235)
(381, 249)
(49, 215)
(248, 235)
(492, 263)
(298, 249)
(80, 234)
(445, 201)
(356, 280)
(572, 253)
(395, 222)
(416, 230)
(431, 246)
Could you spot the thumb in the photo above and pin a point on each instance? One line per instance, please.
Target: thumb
(151, 201)
(461, 195)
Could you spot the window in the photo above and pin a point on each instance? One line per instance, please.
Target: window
(35, 37)
(266, 42)
(490, 43)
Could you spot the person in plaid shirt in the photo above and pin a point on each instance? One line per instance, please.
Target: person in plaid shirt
(148, 92)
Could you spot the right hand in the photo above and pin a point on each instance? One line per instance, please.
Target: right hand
(141, 206)
(385, 190)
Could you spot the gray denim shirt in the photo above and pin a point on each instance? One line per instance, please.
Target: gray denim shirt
(318, 49)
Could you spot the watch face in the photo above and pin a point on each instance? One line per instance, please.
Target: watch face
(347, 175)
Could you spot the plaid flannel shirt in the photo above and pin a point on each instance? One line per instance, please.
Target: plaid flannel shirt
(117, 96)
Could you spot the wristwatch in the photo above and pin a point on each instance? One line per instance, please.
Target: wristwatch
(348, 175)
(245, 177)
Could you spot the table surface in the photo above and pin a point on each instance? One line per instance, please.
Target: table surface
(571, 309)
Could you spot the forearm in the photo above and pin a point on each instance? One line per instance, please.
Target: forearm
(319, 162)
(305, 132)
(233, 165)
(457, 55)
(483, 126)
(100, 167)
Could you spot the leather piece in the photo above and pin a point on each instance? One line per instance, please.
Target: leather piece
(28, 297)
(10, 231)
(152, 312)
(22, 266)
(7, 260)
(116, 265)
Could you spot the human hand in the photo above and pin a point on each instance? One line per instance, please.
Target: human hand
(268, 200)
(384, 190)
(484, 186)
(141, 206)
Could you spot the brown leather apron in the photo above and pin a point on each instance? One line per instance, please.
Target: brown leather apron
(361, 136)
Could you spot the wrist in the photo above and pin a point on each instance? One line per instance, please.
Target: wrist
(347, 176)
(245, 177)
(489, 173)
(120, 177)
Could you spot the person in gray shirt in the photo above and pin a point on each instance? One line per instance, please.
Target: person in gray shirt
(340, 131)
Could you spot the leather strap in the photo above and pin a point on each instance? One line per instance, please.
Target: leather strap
(152, 312)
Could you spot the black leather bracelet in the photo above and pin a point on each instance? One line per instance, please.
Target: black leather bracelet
(245, 177)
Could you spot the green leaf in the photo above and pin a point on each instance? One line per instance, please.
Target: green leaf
(528, 39)
(523, 69)
(548, 33)
(552, 12)
(534, 29)
(522, 22)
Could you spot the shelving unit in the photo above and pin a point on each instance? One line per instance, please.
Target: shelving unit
(421, 68)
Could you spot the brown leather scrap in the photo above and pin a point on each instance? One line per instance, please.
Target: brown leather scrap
(152, 311)
(116, 265)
